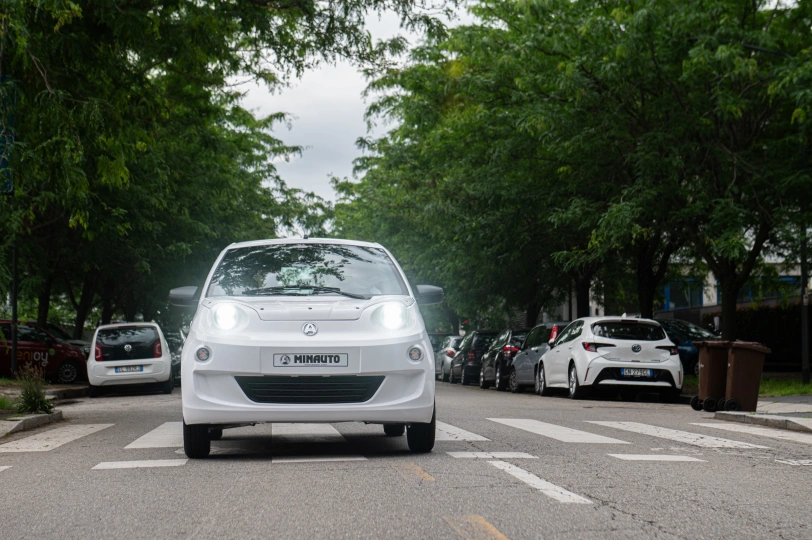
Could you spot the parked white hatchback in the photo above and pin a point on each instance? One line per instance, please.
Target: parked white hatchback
(129, 353)
(307, 330)
(611, 351)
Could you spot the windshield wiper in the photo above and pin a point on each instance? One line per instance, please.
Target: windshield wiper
(268, 291)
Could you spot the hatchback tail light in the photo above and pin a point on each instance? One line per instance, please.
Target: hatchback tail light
(99, 356)
(471, 356)
(554, 332)
(449, 353)
(672, 349)
(510, 350)
(593, 347)
(156, 350)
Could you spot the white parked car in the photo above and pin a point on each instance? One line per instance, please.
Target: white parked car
(611, 351)
(129, 353)
(307, 330)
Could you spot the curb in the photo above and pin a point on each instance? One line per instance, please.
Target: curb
(774, 421)
(66, 393)
(24, 423)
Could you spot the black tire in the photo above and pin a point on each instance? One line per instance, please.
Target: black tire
(169, 384)
(445, 376)
(420, 437)
(394, 430)
(482, 382)
(68, 372)
(501, 382)
(94, 391)
(541, 382)
(465, 378)
(720, 405)
(513, 382)
(576, 391)
(451, 378)
(196, 441)
(709, 404)
(215, 434)
(732, 405)
(695, 404)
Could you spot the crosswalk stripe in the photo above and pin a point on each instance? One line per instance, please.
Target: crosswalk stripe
(4, 467)
(792, 436)
(685, 437)
(140, 464)
(551, 490)
(307, 433)
(559, 433)
(447, 432)
(315, 459)
(54, 438)
(654, 457)
(167, 435)
(491, 455)
(805, 462)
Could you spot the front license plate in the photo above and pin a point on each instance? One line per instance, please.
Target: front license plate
(311, 360)
(129, 369)
(636, 372)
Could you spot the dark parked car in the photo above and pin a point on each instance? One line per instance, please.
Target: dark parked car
(526, 362)
(465, 365)
(175, 340)
(443, 356)
(436, 338)
(36, 347)
(497, 362)
(683, 334)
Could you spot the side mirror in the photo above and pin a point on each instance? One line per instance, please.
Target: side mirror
(429, 294)
(183, 297)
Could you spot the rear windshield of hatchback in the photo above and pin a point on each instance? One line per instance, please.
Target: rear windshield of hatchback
(633, 331)
(114, 341)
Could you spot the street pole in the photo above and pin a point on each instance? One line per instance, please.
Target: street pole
(804, 306)
(14, 308)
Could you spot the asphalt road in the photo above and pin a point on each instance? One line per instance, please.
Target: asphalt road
(560, 479)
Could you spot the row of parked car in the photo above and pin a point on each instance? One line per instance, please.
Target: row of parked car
(615, 353)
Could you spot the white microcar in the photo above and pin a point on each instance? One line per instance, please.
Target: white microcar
(307, 330)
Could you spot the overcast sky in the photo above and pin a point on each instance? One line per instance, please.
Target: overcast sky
(328, 117)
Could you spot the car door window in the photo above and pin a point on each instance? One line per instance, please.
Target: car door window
(575, 332)
(31, 334)
(531, 339)
(564, 336)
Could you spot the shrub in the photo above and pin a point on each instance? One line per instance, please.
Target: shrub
(32, 399)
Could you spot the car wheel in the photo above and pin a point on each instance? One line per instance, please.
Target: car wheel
(482, 382)
(68, 372)
(576, 391)
(541, 382)
(394, 430)
(94, 391)
(216, 434)
(196, 441)
(513, 382)
(465, 378)
(500, 383)
(446, 376)
(696, 404)
(420, 437)
(169, 385)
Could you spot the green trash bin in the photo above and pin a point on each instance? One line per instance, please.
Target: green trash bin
(713, 356)
(745, 362)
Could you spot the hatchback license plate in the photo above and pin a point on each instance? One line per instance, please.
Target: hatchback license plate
(129, 369)
(636, 372)
(311, 360)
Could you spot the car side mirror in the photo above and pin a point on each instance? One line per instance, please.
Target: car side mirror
(183, 297)
(429, 294)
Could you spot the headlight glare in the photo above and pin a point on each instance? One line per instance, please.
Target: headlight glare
(226, 316)
(393, 316)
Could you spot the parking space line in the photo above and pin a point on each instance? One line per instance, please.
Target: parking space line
(141, 464)
(4, 467)
(54, 438)
(654, 457)
(774, 433)
(321, 433)
(491, 455)
(167, 435)
(447, 432)
(315, 459)
(804, 462)
(474, 528)
(684, 437)
(551, 490)
(559, 433)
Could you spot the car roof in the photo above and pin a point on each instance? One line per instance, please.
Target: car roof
(282, 241)
(127, 324)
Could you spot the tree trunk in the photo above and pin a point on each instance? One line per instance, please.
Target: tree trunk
(730, 291)
(130, 307)
(108, 302)
(83, 308)
(44, 301)
(582, 286)
(531, 314)
(646, 288)
(453, 319)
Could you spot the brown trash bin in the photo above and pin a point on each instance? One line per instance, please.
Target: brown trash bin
(713, 356)
(745, 363)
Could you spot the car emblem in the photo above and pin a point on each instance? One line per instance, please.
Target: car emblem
(285, 360)
(128, 347)
(310, 329)
(636, 348)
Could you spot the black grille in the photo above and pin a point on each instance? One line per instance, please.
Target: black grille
(332, 389)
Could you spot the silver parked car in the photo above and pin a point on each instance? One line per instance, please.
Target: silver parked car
(443, 356)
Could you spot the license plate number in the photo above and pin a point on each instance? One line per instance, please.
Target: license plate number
(129, 369)
(311, 360)
(635, 372)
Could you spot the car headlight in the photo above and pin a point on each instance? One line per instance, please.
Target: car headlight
(226, 316)
(391, 316)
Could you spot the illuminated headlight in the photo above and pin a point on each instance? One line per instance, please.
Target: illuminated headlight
(391, 316)
(226, 316)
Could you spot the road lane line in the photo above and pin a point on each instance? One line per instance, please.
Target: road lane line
(551, 490)
(167, 435)
(143, 464)
(654, 457)
(559, 433)
(474, 528)
(321, 433)
(54, 438)
(805, 462)
(412, 471)
(491, 455)
(4, 467)
(315, 459)
(684, 437)
(447, 432)
(774, 433)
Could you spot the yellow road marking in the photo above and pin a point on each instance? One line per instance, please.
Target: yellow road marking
(474, 528)
(411, 471)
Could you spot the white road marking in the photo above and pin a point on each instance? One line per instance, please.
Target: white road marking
(784, 435)
(447, 432)
(322, 433)
(654, 457)
(806, 462)
(559, 433)
(168, 435)
(141, 464)
(48, 440)
(491, 455)
(315, 459)
(684, 437)
(551, 490)
(4, 467)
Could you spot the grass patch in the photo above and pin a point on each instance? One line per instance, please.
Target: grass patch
(9, 382)
(783, 387)
(7, 404)
(690, 384)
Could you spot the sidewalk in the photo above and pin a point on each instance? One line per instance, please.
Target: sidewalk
(784, 412)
